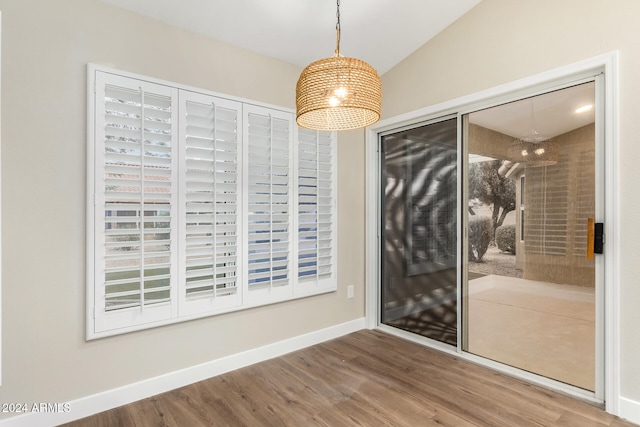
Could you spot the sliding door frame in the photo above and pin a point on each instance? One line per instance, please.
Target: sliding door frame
(607, 65)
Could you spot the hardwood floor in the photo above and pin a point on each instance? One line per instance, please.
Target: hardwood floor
(367, 378)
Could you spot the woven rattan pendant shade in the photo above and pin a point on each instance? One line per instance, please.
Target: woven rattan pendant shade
(338, 93)
(533, 151)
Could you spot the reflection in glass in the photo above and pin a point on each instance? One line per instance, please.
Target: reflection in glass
(529, 300)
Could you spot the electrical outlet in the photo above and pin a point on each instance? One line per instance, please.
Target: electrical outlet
(350, 291)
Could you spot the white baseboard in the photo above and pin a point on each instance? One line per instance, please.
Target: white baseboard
(630, 410)
(110, 399)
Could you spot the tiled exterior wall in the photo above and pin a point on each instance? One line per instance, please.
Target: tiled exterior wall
(558, 201)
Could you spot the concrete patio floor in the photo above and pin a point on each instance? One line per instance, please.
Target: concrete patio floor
(544, 328)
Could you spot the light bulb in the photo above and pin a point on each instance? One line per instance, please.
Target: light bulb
(333, 101)
(340, 92)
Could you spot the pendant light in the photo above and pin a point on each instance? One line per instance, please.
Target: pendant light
(338, 93)
(533, 150)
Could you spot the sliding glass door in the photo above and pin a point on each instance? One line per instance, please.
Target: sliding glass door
(530, 288)
(419, 230)
(487, 232)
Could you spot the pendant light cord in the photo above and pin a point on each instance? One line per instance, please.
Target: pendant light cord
(533, 130)
(338, 28)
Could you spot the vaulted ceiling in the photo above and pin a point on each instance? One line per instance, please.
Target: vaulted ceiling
(380, 32)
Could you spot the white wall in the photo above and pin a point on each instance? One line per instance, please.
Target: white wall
(45, 48)
(500, 41)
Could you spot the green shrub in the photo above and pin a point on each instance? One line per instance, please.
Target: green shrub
(480, 233)
(506, 238)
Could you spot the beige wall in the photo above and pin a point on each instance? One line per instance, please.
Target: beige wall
(45, 48)
(500, 41)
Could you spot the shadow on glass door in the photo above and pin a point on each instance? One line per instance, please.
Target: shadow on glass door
(419, 230)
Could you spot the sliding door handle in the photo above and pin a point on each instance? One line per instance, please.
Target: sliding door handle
(598, 240)
(595, 237)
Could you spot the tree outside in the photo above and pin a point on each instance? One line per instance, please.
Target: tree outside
(490, 191)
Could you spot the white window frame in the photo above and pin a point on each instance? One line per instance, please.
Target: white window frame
(101, 323)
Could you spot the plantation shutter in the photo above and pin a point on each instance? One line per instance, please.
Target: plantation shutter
(316, 201)
(269, 200)
(200, 205)
(547, 204)
(210, 159)
(135, 209)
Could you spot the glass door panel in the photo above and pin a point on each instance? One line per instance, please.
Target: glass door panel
(419, 230)
(529, 288)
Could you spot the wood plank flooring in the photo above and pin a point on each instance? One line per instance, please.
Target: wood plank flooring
(367, 378)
